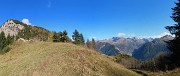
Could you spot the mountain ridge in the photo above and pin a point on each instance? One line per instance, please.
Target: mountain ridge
(130, 45)
(151, 49)
(21, 30)
(125, 45)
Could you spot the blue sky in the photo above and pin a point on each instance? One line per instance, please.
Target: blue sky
(102, 19)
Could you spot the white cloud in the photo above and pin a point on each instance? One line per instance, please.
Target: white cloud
(26, 21)
(165, 33)
(132, 35)
(121, 34)
(157, 36)
(94, 38)
(138, 36)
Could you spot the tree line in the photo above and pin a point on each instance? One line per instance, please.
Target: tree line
(77, 39)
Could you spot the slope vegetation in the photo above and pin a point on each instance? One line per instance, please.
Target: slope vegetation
(57, 59)
(152, 49)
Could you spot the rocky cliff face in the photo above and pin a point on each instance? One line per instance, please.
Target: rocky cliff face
(11, 28)
(20, 30)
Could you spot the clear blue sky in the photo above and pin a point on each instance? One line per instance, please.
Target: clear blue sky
(94, 18)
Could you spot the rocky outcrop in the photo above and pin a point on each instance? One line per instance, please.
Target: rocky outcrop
(11, 28)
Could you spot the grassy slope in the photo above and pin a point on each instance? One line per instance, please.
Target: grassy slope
(175, 72)
(57, 59)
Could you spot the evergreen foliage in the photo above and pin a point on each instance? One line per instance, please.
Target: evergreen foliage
(81, 38)
(4, 42)
(88, 43)
(61, 37)
(93, 44)
(9, 39)
(78, 38)
(174, 44)
(75, 37)
(55, 37)
(65, 37)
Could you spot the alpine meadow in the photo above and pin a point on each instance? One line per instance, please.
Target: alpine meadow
(90, 38)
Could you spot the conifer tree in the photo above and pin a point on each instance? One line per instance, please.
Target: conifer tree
(78, 38)
(2, 40)
(88, 43)
(8, 40)
(93, 44)
(174, 44)
(60, 36)
(75, 37)
(65, 38)
(55, 37)
(81, 38)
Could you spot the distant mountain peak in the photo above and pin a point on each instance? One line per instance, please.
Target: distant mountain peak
(167, 37)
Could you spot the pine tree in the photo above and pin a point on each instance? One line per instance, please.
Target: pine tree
(65, 38)
(55, 37)
(88, 43)
(81, 38)
(60, 36)
(8, 40)
(2, 40)
(93, 44)
(174, 44)
(75, 37)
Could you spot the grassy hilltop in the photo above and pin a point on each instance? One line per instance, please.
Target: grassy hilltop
(57, 59)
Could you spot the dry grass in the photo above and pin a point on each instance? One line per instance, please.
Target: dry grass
(57, 59)
(175, 72)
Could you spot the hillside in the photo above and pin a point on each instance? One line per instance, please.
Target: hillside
(107, 48)
(151, 49)
(126, 60)
(53, 59)
(20, 30)
(11, 28)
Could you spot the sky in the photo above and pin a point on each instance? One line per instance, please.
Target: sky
(100, 19)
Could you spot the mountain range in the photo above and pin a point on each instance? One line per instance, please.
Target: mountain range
(134, 46)
(152, 49)
(120, 45)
